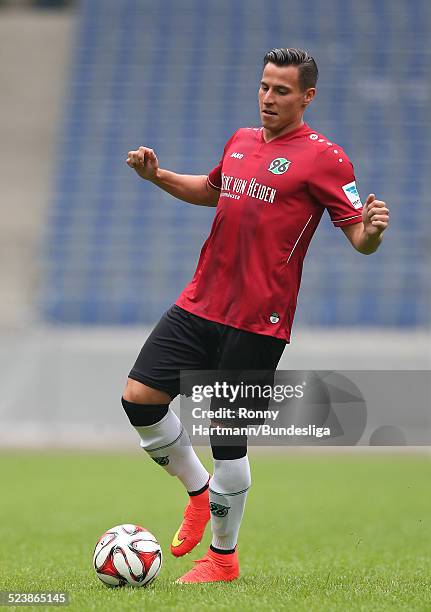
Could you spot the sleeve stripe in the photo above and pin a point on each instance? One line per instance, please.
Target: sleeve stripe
(346, 219)
(212, 184)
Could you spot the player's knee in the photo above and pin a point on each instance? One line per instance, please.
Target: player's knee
(142, 415)
(226, 446)
(230, 450)
(138, 393)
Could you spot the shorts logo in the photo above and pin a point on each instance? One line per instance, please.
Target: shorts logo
(237, 155)
(274, 318)
(352, 194)
(218, 509)
(161, 460)
(279, 165)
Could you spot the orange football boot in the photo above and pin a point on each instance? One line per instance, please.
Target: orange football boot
(214, 567)
(196, 517)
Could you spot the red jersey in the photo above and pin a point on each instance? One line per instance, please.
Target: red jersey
(272, 197)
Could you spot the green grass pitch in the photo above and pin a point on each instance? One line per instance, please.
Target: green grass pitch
(321, 532)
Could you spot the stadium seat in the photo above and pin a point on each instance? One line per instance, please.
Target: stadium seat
(181, 77)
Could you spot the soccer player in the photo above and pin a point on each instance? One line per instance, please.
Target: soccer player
(271, 187)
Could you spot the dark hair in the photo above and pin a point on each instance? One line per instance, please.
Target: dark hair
(307, 67)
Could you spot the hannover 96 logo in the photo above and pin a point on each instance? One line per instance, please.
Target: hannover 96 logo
(218, 509)
(161, 460)
(279, 165)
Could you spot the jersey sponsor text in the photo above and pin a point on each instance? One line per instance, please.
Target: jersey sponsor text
(253, 189)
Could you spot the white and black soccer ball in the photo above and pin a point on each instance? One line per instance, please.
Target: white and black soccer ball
(127, 554)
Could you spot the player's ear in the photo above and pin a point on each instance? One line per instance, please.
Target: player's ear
(309, 95)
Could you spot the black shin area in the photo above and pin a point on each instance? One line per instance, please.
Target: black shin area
(141, 415)
(228, 447)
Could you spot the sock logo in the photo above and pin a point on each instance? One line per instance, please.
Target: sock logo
(218, 509)
(161, 460)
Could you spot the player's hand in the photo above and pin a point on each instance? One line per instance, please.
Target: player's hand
(144, 161)
(375, 216)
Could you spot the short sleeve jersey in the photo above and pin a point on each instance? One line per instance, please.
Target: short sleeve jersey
(272, 197)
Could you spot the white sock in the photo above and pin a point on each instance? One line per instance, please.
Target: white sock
(228, 493)
(168, 444)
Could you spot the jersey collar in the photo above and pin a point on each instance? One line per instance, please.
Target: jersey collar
(288, 136)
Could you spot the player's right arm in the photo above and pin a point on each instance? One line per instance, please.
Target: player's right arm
(194, 189)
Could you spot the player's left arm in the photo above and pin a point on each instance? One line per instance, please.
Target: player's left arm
(367, 235)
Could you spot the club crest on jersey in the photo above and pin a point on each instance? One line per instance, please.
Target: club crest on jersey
(279, 165)
(274, 317)
(352, 193)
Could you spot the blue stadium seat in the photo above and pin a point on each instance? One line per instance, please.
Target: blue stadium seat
(181, 77)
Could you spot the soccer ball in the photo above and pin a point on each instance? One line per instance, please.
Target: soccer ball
(127, 554)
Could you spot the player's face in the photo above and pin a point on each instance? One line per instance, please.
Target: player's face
(281, 100)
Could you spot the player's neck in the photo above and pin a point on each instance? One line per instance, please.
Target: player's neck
(269, 135)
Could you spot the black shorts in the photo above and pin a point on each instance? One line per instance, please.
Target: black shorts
(183, 341)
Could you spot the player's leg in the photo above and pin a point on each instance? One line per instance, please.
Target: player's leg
(162, 435)
(242, 351)
(228, 493)
(153, 382)
(167, 443)
(231, 478)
